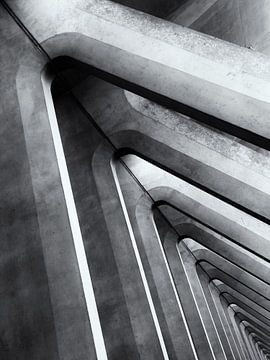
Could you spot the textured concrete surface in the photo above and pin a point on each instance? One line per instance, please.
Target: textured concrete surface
(156, 296)
(242, 22)
(212, 77)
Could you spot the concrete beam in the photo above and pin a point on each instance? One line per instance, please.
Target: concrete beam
(168, 54)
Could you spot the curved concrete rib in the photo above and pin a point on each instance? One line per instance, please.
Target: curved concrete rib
(188, 262)
(212, 212)
(227, 321)
(243, 304)
(242, 340)
(203, 257)
(257, 334)
(253, 346)
(260, 340)
(218, 272)
(233, 299)
(229, 349)
(253, 335)
(159, 192)
(248, 330)
(219, 244)
(214, 273)
(222, 219)
(35, 156)
(166, 62)
(229, 315)
(163, 65)
(203, 254)
(187, 307)
(30, 68)
(247, 317)
(159, 275)
(246, 340)
(144, 221)
(233, 296)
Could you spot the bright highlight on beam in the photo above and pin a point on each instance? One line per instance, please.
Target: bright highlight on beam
(75, 228)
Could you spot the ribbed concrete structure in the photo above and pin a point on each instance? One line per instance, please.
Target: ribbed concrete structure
(134, 181)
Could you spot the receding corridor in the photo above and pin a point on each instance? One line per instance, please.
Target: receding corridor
(135, 180)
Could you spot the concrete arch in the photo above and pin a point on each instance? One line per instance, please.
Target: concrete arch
(35, 113)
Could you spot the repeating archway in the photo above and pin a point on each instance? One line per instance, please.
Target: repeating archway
(145, 317)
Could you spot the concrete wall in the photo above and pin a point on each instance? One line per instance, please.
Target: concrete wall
(105, 270)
